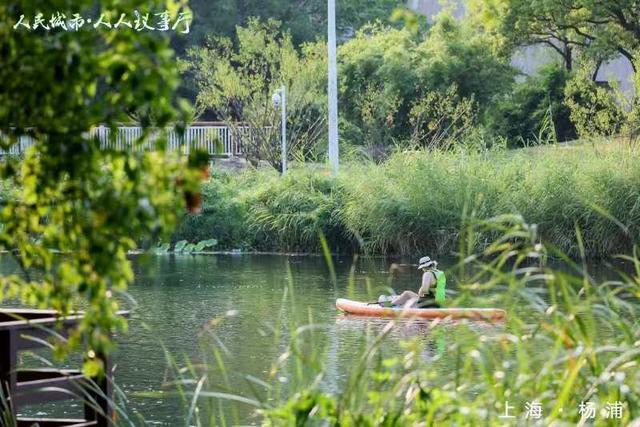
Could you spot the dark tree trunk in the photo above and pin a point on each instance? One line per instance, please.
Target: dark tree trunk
(594, 77)
(568, 57)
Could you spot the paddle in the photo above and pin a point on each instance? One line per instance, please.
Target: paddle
(384, 301)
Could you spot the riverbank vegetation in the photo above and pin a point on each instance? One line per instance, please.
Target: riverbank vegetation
(416, 201)
(428, 114)
(451, 82)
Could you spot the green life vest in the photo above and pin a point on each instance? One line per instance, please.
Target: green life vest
(441, 283)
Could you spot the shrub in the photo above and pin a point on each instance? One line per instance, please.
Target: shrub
(536, 110)
(596, 110)
(223, 217)
(387, 74)
(378, 63)
(289, 213)
(441, 119)
(453, 54)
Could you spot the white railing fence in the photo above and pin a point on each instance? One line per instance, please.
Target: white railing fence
(216, 139)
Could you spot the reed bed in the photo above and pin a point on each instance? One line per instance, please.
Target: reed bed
(416, 201)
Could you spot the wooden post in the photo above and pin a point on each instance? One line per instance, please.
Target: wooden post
(8, 363)
(103, 411)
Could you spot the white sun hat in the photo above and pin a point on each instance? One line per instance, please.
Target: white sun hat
(426, 262)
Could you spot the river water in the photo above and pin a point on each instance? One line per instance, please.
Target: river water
(177, 297)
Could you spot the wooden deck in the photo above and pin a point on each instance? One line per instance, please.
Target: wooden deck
(26, 329)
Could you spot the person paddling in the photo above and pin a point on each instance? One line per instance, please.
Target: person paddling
(431, 293)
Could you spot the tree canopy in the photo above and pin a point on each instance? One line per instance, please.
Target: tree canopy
(237, 82)
(305, 20)
(79, 207)
(601, 29)
(384, 72)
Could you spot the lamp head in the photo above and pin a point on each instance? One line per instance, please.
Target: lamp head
(276, 99)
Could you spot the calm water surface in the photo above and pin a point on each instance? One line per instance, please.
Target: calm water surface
(178, 296)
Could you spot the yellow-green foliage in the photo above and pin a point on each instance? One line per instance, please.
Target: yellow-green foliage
(81, 207)
(595, 110)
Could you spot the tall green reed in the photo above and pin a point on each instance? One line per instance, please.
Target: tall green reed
(414, 201)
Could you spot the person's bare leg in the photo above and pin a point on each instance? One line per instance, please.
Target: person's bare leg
(406, 299)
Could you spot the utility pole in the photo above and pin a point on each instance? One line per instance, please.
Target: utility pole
(283, 93)
(279, 98)
(334, 155)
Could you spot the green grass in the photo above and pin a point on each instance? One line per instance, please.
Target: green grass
(415, 201)
(259, 210)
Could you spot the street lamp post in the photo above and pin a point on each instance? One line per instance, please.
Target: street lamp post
(279, 98)
(333, 88)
